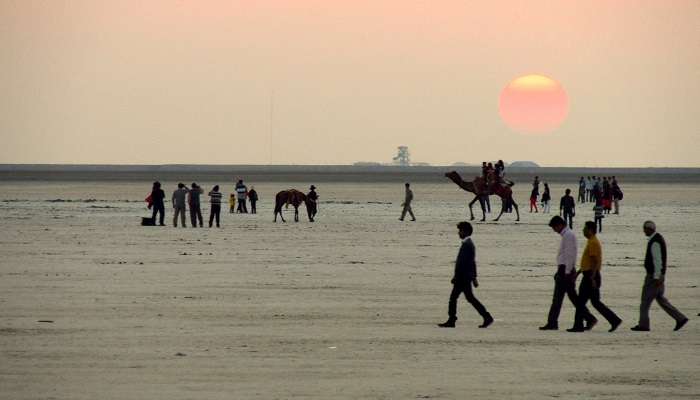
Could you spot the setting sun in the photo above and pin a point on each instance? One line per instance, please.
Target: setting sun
(533, 104)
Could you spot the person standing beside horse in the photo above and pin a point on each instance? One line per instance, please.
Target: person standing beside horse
(407, 203)
(312, 203)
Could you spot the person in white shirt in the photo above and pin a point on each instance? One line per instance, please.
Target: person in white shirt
(565, 278)
(653, 289)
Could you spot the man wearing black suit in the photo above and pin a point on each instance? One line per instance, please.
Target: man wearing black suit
(464, 277)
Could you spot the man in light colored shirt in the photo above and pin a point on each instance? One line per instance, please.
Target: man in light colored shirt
(180, 203)
(407, 204)
(653, 289)
(565, 278)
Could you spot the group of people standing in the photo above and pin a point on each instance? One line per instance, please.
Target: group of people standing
(240, 195)
(465, 280)
(604, 193)
(184, 198)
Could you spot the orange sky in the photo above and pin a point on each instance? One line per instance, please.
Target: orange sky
(191, 82)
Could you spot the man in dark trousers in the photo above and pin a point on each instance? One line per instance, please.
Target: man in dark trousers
(464, 277)
(653, 289)
(567, 208)
(565, 278)
(589, 289)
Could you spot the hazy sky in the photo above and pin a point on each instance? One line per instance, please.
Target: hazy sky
(192, 81)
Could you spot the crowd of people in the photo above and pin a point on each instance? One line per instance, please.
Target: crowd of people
(604, 192)
(184, 198)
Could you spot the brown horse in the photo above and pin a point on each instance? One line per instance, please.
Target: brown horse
(295, 198)
(480, 188)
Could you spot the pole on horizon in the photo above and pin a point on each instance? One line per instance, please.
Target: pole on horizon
(272, 114)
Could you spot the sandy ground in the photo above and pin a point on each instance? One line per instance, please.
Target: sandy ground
(342, 308)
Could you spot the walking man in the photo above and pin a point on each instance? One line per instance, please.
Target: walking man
(567, 208)
(407, 203)
(179, 200)
(653, 289)
(589, 289)
(565, 278)
(463, 279)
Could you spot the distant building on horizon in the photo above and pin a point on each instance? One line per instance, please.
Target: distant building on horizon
(523, 164)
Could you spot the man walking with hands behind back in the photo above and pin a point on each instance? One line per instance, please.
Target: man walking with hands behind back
(653, 289)
(407, 204)
(464, 277)
(565, 278)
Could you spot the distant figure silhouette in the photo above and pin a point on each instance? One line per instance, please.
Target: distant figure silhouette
(567, 208)
(195, 206)
(157, 202)
(408, 198)
(312, 202)
(241, 193)
(463, 279)
(253, 197)
(179, 200)
(295, 198)
(215, 212)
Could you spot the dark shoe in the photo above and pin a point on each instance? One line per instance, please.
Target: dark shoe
(680, 324)
(639, 329)
(450, 323)
(591, 324)
(549, 328)
(413, 219)
(614, 325)
(400, 219)
(576, 330)
(487, 321)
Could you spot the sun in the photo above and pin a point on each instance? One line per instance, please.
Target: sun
(533, 104)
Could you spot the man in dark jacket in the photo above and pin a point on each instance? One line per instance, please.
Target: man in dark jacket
(464, 277)
(653, 289)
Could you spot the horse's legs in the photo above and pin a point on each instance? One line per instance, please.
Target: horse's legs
(512, 202)
(296, 214)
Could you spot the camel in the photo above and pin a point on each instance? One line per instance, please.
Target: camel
(295, 198)
(479, 187)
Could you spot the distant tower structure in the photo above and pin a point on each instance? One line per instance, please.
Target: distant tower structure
(403, 157)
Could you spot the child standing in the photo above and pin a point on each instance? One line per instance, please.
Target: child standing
(232, 203)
